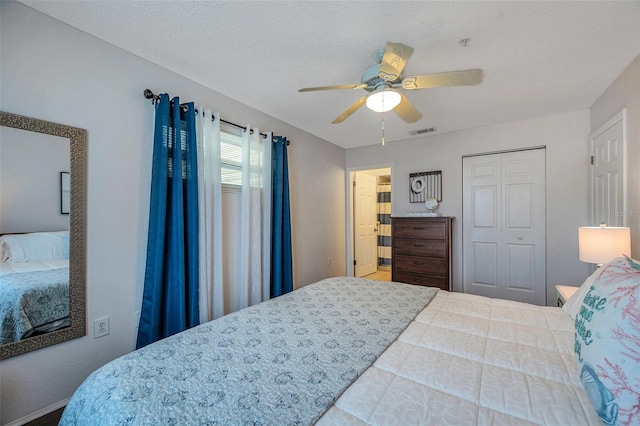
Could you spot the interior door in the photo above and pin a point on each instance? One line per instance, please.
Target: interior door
(504, 226)
(607, 174)
(365, 217)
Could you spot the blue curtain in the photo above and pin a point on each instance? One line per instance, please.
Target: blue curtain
(281, 263)
(170, 298)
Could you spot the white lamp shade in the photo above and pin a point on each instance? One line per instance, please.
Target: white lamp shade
(383, 100)
(601, 244)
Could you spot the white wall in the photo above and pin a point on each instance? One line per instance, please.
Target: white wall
(625, 93)
(566, 139)
(30, 166)
(57, 73)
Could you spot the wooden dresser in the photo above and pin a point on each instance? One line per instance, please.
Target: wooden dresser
(421, 251)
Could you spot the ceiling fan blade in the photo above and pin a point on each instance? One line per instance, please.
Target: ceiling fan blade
(344, 86)
(393, 61)
(407, 111)
(353, 108)
(443, 79)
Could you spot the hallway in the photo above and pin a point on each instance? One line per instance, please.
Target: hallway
(382, 274)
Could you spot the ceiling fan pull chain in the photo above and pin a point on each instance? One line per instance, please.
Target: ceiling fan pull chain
(382, 127)
(382, 116)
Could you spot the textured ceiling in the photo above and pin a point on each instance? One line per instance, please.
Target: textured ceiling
(539, 58)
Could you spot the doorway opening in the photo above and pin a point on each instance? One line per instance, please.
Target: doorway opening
(369, 224)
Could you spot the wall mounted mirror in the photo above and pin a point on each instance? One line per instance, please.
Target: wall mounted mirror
(38, 160)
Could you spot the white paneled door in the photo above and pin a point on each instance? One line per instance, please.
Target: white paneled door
(504, 226)
(607, 173)
(365, 217)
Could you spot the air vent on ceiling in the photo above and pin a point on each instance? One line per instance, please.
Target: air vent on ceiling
(422, 131)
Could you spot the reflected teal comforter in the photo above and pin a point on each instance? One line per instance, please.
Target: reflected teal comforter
(32, 299)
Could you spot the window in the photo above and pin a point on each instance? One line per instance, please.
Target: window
(231, 157)
(231, 160)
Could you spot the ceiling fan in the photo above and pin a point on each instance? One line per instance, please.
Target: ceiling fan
(382, 80)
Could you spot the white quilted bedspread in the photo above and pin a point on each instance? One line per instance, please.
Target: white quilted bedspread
(471, 360)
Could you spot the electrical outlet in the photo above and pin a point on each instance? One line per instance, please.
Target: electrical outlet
(329, 262)
(100, 327)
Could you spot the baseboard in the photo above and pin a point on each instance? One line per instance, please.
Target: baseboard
(42, 412)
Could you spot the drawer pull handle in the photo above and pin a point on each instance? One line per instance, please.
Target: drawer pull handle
(415, 262)
(418, 245)
(418, 227)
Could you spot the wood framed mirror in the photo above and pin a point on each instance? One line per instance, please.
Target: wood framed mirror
(15, 126)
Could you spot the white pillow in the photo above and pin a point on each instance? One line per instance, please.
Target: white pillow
(36, 246)
(572, 306)
(5, 254)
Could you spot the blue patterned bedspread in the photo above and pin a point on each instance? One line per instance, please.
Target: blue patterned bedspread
(284, 361)
(32, 299)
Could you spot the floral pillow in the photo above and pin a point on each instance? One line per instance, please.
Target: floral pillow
(607, 342)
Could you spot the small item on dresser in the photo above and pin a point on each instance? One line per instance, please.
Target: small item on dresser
(421, 214)
(431, 204)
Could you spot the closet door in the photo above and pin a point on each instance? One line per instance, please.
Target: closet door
(504, 226)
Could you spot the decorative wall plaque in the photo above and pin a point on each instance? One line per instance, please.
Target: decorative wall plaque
(425, 185)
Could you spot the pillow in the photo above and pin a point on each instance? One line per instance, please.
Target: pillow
(5, 254)
(36, 246)
(607, 342)
(572, 306)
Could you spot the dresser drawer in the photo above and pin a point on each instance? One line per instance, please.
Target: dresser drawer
(424, 280)
(429, 248)
(419, 229)
(420, 265)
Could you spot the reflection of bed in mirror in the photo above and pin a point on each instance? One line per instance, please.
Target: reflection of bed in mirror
(34, 284)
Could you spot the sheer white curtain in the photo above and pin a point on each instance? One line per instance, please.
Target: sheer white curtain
(211, 287)
(254, 259)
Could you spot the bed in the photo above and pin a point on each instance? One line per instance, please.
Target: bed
(34, 284)
(355, 351)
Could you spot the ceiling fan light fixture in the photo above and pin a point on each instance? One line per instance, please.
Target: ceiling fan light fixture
(383, 100)
(381, 79)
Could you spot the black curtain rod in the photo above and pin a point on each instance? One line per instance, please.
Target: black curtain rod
(148, 94)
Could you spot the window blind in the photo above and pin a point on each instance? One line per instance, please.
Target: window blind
(231, 158)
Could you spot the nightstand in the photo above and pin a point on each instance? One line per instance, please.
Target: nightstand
(564, 293)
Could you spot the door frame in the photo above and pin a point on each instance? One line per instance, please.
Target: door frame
(620, 116)
(349, 234)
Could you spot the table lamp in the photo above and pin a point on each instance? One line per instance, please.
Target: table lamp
(600, 244)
